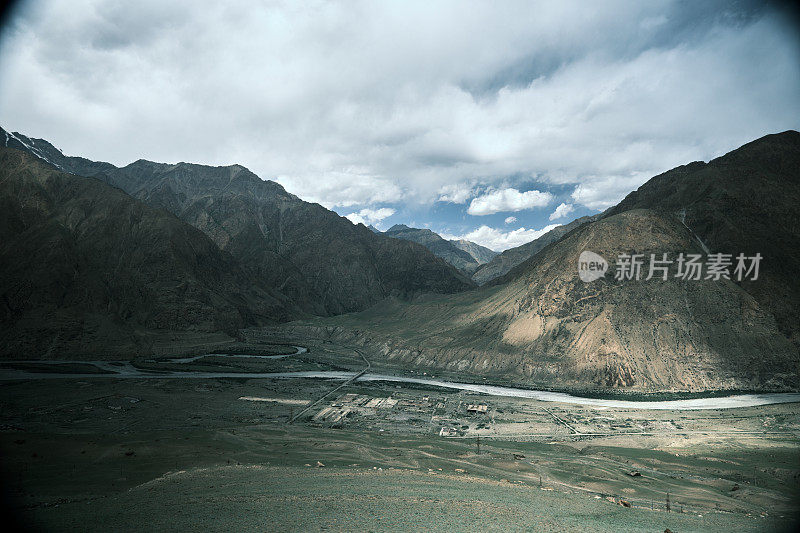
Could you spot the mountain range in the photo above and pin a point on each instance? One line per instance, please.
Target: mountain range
(83, 266)
(309, 258)
(98, 258)
(747, 201)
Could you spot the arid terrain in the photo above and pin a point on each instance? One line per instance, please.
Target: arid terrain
(96, 453)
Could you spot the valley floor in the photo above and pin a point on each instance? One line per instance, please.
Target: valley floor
(220, 454)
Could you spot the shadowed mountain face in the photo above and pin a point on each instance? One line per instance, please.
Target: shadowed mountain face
(321, 261)
(503, 263)
(463, 255)
(84, 267)
(747, 201)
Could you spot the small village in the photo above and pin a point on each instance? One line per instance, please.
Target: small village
(461, 415)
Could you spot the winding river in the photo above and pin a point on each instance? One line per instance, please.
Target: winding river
(125, 370)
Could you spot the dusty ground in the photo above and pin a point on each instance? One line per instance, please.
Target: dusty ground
(190, 454)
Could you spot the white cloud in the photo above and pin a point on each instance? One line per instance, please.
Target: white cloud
(510, 220)
(496, 201)
(457, 193)
(370, 216)
(602, 193)
(342, 189)
(561, 211)
(498, 241)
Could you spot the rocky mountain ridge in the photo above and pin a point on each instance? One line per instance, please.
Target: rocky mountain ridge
(325, 264)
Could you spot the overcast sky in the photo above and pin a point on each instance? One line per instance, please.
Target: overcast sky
(490, 120)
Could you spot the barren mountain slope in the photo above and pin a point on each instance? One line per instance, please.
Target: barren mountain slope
(747, 201)
(546, 327)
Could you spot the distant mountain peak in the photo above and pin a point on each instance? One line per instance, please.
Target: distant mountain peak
(23, 142)
(464, 255)
(398, 227)
(481, 254)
